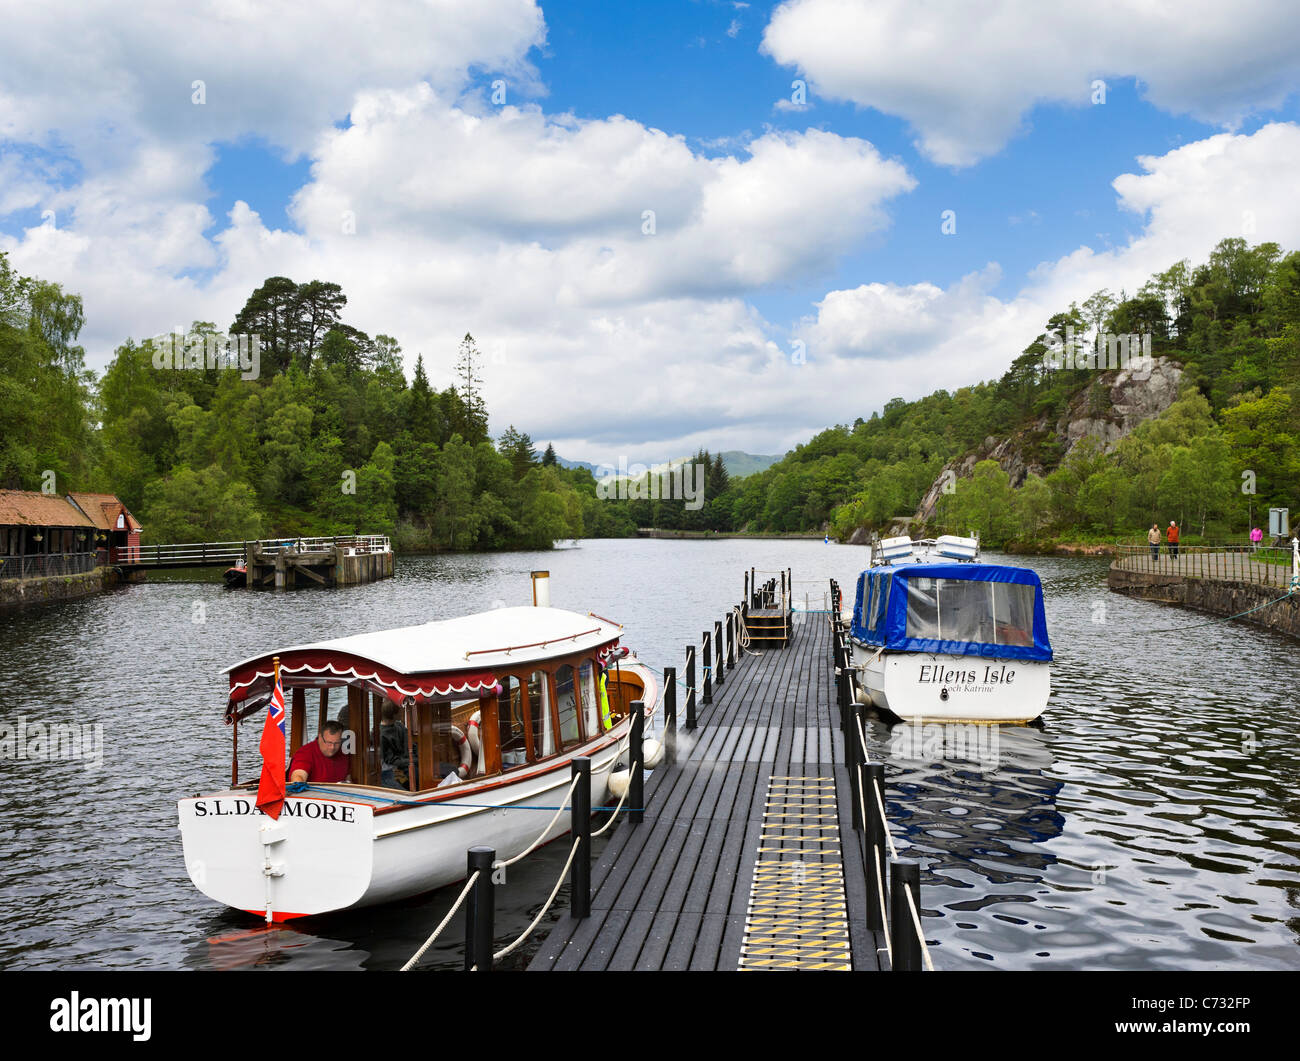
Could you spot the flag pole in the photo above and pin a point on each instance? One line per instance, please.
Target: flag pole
(266, 850)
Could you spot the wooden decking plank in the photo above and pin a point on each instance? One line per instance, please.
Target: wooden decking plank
(685, 935)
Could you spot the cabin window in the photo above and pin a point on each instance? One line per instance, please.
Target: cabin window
(865, 590)
(590, 707)
(510, 719)
(566, 699)
(539, 707)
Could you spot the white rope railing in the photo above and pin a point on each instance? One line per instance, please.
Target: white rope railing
(884, 918)
(542, 913)
(438, 931)
(884, 824)
(920, 935)
(564, 800)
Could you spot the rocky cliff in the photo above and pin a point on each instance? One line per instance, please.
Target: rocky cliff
(1108, 412)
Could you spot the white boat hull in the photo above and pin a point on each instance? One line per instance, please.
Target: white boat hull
(944, 688)
(330, 851)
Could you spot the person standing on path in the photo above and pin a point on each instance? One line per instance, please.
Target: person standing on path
(1256, 536)
(1172, 536)
(1153, 538)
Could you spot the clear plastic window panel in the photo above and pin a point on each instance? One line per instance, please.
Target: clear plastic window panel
(949, 609)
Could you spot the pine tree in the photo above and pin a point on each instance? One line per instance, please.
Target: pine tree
(474, 429)
(548, 458)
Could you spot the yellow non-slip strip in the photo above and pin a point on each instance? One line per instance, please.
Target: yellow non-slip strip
(797, 917)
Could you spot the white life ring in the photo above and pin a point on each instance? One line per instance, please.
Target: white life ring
(466, 752)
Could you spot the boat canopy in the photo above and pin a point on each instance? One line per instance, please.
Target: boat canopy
(445, 658)
(958, 609)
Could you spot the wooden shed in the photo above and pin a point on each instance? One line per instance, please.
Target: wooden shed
(43, 534)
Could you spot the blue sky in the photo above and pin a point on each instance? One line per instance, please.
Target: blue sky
(520, 223)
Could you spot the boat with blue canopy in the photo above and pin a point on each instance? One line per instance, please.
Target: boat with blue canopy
(948, 638)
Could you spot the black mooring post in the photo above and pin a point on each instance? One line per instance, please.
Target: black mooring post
(580, 824)
(874, 852)
(690, 687)
(731, 639)
(708, 671)
(480, 910)
(720, 665)
(746, 597)
(670, 714)
(904, 877)
(636, 786)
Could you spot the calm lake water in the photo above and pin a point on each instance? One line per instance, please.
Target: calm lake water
(1151, 823)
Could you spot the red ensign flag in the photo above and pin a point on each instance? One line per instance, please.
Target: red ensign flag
(270, 789)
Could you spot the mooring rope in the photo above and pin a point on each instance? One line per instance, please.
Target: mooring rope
(742, 632)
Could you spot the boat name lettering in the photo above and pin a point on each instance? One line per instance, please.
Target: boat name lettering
(993, 675)
(303, 809)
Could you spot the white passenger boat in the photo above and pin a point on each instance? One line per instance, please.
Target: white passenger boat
(943, 637)
(493, 708)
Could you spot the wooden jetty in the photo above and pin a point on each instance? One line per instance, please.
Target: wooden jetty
(282, 562)
(746, 857)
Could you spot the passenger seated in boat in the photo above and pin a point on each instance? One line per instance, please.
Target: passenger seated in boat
(321, 759)
(393, 749)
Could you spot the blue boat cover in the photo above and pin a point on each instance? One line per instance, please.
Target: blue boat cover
(881, 610)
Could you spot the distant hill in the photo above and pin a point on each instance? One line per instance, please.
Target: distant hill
(736, 462)
(739, 464)
(575, 464)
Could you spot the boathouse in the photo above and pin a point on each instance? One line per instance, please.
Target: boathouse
(117, 532)
(43, 535)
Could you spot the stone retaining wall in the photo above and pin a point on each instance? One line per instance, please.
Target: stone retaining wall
(1213, 596)
(15, 592)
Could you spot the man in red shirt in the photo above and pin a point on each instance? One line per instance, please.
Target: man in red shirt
(1172, 536)
(321, 759)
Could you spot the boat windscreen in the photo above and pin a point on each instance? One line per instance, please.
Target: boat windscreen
(990, 613)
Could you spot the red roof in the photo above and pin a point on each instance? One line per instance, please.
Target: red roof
(24, 508)
(103, 510)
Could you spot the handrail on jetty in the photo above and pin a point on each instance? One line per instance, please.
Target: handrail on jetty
(1260, 565)
(206, 554)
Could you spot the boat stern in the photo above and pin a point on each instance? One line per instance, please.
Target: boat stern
(316, 857)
